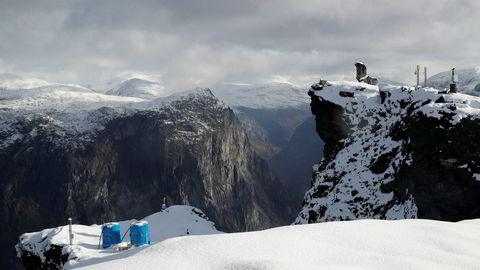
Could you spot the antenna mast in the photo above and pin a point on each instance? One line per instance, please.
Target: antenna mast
(417, 72)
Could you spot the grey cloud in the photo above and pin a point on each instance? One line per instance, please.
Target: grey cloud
(204, 42)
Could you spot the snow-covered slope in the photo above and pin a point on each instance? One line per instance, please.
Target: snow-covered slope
(468, 80)
(172, 222)
(76, 109)
(12, 82)
(366, 244)
(386, 151)
(263, 96)
(141, 88)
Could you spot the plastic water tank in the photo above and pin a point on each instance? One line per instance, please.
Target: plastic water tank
(110, 234)
(139, 233)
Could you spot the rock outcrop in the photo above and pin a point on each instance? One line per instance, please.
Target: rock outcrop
(394, 153)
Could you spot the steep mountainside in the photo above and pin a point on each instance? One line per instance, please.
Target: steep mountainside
(277, 119)
(394, 153)
(269, 112)
(293, 164)
(468, 80)
(99, 157)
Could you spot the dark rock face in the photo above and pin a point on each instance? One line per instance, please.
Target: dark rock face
(445, 159)
(270, 130)
(54, 259)
(293, 164)
(193, 151)
(394, 155)
(330, 116)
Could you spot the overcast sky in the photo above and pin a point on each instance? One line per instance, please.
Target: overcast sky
(204, 42)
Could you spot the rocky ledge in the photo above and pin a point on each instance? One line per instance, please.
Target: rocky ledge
(394, 153)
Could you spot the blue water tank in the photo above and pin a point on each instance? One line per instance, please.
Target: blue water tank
(110, 234)
(139, 233)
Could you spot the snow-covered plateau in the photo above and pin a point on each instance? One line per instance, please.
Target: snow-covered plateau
(363, 244)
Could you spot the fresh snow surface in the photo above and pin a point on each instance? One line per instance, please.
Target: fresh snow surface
(171, 222)
(264, 96)
(369, 98)
(361, 244)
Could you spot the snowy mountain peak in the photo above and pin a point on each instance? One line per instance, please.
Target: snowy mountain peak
(136, 87)
(10, 81)
(263, 96)
(469, 80)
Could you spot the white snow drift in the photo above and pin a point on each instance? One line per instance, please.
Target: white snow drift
(363, 244)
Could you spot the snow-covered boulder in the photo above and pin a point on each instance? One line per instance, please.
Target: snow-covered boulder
(50, 249)
(394, 153)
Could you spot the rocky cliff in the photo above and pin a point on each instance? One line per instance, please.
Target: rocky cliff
(98, 158)
(394, 153)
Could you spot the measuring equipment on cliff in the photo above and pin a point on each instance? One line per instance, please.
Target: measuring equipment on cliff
(453, 83)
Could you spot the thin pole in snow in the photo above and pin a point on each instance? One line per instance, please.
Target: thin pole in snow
(425, 74)
(164, 204)
(70, 233)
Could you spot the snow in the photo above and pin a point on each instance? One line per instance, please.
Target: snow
(362, 244)
(141, 88)
(171, 222)
(369, 97)
(76, 110)
(469, 79)
(263, 96)
(14, 82)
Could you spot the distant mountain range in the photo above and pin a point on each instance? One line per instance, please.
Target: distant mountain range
(468, 80)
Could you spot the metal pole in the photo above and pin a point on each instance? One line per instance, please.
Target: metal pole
(425, 73)
(70, 233)
(418, 77)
